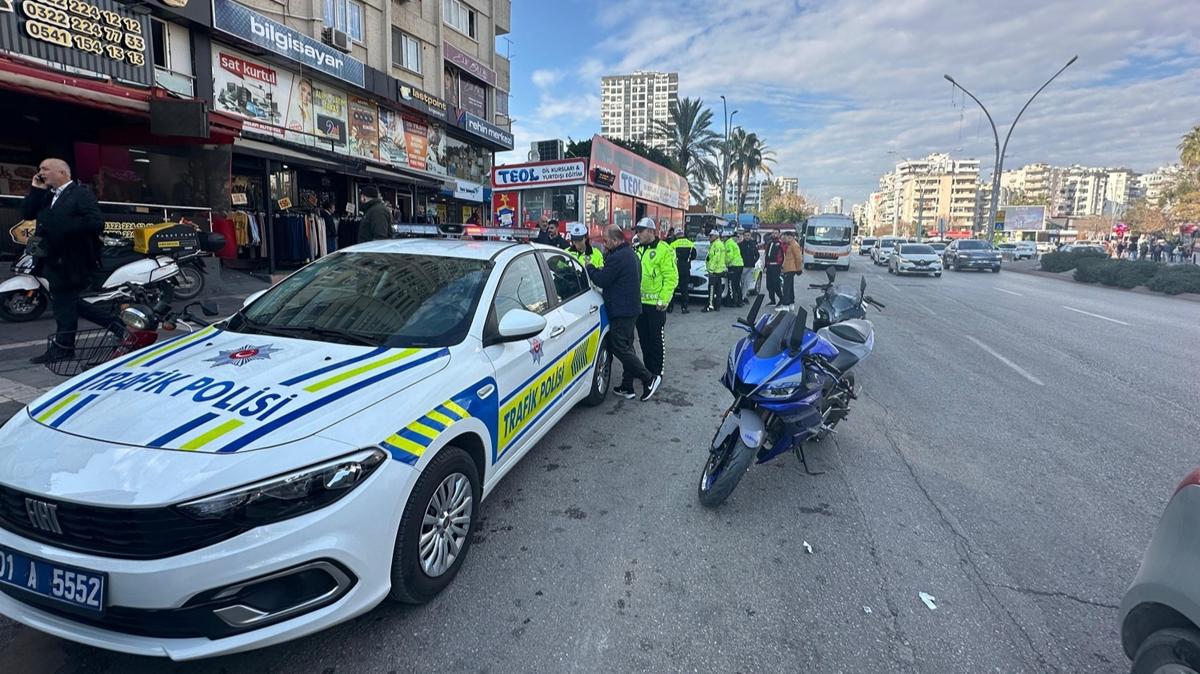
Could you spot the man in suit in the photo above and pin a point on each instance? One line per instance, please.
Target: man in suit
(69, 225)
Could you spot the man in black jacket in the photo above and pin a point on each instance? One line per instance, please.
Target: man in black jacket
(749, 249)
(376, 221)
(67, 251)
(621, 281)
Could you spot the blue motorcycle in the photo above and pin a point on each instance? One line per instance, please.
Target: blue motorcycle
(790, 385)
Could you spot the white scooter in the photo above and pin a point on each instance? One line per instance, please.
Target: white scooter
(127, 277)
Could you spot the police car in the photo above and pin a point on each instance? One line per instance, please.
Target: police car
(287, 469)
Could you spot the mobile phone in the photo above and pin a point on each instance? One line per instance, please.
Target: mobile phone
(38, 179)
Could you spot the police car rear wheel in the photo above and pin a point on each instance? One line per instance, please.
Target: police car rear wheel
(601, 375)
(436, 528)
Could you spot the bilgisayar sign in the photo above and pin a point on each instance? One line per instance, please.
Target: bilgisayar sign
(100, 36)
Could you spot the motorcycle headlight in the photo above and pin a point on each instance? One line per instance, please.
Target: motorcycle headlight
(137, 317)
(286, 496)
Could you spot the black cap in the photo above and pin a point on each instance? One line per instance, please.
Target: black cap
(369, 191)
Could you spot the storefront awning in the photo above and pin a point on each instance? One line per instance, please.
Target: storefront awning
(281, 153)
(407, 176)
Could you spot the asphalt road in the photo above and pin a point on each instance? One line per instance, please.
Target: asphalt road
(1016, 442)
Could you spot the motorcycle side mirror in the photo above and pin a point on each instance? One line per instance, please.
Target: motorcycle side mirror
(209, 308)
(862, 287)
(799, 327)
(753, 315)
(830, 274)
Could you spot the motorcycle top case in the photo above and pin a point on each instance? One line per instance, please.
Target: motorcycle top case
(166, 238)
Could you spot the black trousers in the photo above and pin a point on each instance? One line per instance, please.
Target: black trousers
(620, 342)
(735, 284)
(66, 307)
(789, 287)
(652, 335)
(774, 284)
(684, 290)
(716, 285)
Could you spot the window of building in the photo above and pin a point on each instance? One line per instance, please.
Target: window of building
(158, 42)
(550, 202)
(346, 16)
(459, 17)
(406, 50)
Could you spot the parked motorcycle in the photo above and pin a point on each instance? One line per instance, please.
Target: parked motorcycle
(790, 385)
(838, 303)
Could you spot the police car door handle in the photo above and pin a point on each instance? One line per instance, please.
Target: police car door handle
(593, 309)
(557, 331)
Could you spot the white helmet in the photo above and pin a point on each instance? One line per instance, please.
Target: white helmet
(645, 223)
(577, 230)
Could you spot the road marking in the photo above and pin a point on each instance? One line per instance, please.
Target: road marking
(22, 345)
(1009, 292)
(892, 286)
(1016, 368)
(1088, 313)
(929, 311)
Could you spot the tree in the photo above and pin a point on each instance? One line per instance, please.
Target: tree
(769, 193)
(583, 148)
(748, 155)
(691, 144)
(1023, 198)
(1144, 217)
(785, 208)
(1189, 150)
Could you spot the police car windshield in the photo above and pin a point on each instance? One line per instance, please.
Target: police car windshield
(384, 299)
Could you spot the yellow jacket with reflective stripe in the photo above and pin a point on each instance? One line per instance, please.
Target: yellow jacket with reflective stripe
(596, 257)
(715, 262)
(733, 254)
(660, 275)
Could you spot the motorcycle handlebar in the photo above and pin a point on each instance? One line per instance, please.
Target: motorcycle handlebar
(873, 302)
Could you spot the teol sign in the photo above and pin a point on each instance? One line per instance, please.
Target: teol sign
(100, 36)
(557, 173)
(232, 18)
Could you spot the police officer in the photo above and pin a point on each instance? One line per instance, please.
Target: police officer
(733, 264)
(714, 264)
(659, 278)
(685, 252)
(581, 248)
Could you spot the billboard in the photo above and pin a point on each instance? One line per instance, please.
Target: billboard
(1022, 218)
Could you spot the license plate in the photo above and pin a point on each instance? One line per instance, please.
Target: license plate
(828, 256)
(67, 584)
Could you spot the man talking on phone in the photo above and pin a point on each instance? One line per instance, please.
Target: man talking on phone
(66, 248)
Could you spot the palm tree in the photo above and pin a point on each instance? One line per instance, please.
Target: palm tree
(1189, 149)
(748, 155)
(691, 143)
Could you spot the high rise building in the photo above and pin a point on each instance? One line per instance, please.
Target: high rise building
(788, 185)
(836, 205)
(754, 193)
(1153, 185)
(923, 193)
(631, 104)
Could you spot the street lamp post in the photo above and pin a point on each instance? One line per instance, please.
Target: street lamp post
(725, 154)
(998, 166)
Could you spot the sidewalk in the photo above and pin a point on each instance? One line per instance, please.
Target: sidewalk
(21, 382)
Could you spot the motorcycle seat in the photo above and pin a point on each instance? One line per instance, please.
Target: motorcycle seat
(844, 361)
(854, 330)
(112, 261)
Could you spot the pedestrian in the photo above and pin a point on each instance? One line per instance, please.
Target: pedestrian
(774, 267)
(660, 275)
(65, 247)
(733, 266)
(1121, 248)
(749, 248)
(793, 264)
(714, 265)
(376, 224)
(685, 253)
(620, 279)
(548, 235)
(1143, 248)
(331, 229)
(581, 248)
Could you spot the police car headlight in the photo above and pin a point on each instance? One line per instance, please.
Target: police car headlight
(287, 496)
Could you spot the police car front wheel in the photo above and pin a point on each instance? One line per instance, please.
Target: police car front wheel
(601, 374)
(436, 528)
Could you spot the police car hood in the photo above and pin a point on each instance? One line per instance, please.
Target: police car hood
(219, 391)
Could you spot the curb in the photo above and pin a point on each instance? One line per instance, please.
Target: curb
(1064, 276)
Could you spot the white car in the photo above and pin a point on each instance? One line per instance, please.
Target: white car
(883, 249)
(915, 258)
(323, 449)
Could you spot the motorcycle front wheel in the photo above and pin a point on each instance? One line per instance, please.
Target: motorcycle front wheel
(725, 467)
(18, 306)
(189, 284)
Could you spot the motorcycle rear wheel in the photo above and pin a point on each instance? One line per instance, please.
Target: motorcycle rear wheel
(723, 471)
(17, 307)
(189, 284)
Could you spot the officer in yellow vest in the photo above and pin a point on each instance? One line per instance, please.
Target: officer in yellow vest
(581, 249)
(733, 263)
(659, 278)
(714, 264)
(685, 252)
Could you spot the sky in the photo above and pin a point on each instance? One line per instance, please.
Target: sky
(843, 89)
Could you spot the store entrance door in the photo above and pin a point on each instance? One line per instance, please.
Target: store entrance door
(639, 212)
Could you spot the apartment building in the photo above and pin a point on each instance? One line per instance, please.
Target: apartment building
(920, 194)
(631, 104)
(788, 185)
(1153, 185)
(836, 206)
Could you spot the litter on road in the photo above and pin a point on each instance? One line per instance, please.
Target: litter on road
(807, 548)
(867, 610)
(928, 599)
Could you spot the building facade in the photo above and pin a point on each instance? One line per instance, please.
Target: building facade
(1153, 185)
(631, 104)
(835, 206)
(937, 193)
(788, 185)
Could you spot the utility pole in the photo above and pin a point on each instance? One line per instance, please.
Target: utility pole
(998, 166)
(725, 154)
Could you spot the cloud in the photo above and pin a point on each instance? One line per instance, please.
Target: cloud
(544, 79)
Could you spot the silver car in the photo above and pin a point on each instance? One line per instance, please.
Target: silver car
(1160, 614)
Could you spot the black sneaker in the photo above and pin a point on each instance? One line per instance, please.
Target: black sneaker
(652, 387)
(52, 355)
(625, 392)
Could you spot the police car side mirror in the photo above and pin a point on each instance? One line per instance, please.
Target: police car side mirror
(520, 324)
(253, 296)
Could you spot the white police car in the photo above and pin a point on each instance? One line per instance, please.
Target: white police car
(325, 448)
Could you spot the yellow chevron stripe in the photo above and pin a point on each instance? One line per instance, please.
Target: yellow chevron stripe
(440, 418)
(422, 429)
(54, 410)
(339, 378)
(406, 444)
(456, 408)
(165, 348)
(201, 440)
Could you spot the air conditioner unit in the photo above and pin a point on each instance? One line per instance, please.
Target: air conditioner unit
(335, 38)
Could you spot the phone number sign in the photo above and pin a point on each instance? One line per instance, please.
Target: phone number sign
(101, 36)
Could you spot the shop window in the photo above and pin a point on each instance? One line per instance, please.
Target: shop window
(521, 287)
(596, 210)
(406, 51)
(622, 210)
(459, 17)
(346, 16)
(466, 161)
(559, 203)
(568, 276)
(450, 85)
(158, 40)
(473, 96)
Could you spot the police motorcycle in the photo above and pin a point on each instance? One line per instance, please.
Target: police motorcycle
(838, 303)
(790, 385)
